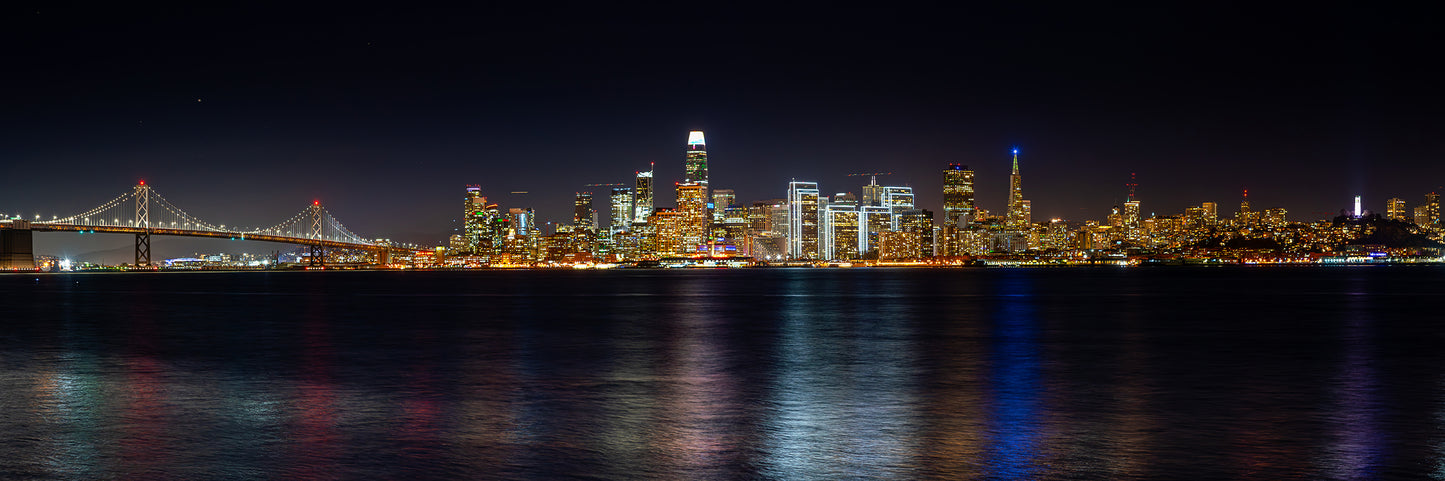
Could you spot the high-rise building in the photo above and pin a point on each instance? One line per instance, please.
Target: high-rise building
(475, 217)
(642, 196)
(872, 219)
(521, 242)
(769, 217)
(1026, 212)
(803, 220)
(1131, 214)
(1244, 216)
(584, 216)
(667, 238)
(918, 222)
(692, 204)
(872, 193)
(1422, 215)
(957, 194)
(1432, 209)
(1016, 216)
(1395, 209)
(897, 199)
(620, 216)
(695, 166)
(838, 229)
(1211, 212)
(1131, 207)
(721, 199)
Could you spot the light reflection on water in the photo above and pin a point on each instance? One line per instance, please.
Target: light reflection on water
(773, 374)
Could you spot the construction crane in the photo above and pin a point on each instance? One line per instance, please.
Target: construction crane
(872, 175)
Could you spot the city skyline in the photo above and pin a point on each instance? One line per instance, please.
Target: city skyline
(1015, 211)
(385, 115)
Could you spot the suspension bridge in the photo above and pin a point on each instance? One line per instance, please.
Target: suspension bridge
(143, 212)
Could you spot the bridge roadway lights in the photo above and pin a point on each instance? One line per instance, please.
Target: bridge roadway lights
(17, 246)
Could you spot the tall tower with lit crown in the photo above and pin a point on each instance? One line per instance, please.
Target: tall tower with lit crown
(642, 196)
(1016, 215)
(695, 166)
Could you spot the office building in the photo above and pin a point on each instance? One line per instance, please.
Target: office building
(692, 205)
(642, 196)
(839, 229)
(1016, 216)
(803, 220)
(1432, 210)
(478, 214)
(1395, 209)
(584, 215)
(957, 194)
(620, 216)
(721, 200)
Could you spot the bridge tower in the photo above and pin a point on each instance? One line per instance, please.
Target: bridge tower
(143, 222)
(318, 251)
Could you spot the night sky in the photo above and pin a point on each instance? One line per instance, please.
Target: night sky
(244, 116)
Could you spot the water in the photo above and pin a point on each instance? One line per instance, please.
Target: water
(1075, 373)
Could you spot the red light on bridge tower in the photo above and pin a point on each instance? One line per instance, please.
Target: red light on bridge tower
(142, 182)
(315, 202)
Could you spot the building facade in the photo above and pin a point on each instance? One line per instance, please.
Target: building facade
(803, 220)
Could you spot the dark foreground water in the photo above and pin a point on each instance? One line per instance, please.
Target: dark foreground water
(1172, 373)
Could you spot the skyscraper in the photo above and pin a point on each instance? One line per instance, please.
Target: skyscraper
(1432, 210)
(474, 221)
(1131, 206)
(692, 204)
(721, 199)
(1395, 209)
(838, 228)
(957, 194)
(642, 196)
(896, 200)
(872, 193)
(621, 212)
(803, 220)
(1016, 215)
(695, 167)
(584, 216)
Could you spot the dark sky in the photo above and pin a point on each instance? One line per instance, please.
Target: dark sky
(385, 115)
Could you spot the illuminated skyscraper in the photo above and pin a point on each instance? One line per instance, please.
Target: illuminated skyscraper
(957, 194)
(475, 218)
(622, 212)
(838, 228)
(897, 199)
(1395, 209)
(1432, 209)
(642, 196)
(584, 216)
(1131, 206)
(695, 167)
(1211, 212)
(872, 220)
(721, 199)
(1244, 216)
(692, 204)
(803, 220)
(872, 193)
(1016, 215)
